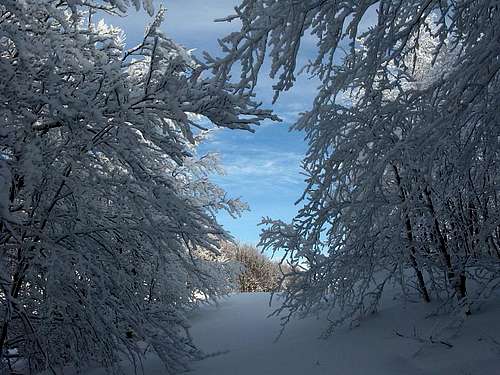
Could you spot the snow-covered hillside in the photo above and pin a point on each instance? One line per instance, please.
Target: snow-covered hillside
(240, 327)
(239, 331)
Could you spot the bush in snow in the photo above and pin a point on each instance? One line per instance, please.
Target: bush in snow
(258, 273)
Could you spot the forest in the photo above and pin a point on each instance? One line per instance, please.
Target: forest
(112, 252)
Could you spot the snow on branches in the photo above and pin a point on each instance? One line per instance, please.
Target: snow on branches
(103, 201)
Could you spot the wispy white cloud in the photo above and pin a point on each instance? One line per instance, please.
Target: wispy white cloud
(263, 167)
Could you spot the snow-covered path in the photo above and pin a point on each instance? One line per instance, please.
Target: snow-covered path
(239, 326)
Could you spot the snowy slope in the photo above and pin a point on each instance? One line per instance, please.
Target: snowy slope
(239, 326)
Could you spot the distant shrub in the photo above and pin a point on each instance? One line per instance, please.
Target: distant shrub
(259, 273)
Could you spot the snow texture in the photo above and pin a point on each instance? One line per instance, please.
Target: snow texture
(239, 330)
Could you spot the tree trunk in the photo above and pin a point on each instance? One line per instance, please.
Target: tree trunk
(458, 282)
(409, 236)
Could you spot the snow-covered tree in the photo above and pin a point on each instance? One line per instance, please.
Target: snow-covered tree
(404, 145)
(103, 204)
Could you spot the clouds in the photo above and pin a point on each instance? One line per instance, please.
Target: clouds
(259, 164)
(264, 170)
(261, 167)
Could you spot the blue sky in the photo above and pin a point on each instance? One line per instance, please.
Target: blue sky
(263, 168)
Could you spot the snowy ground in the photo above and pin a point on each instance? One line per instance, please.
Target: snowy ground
(239, 328)
(239, 325)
